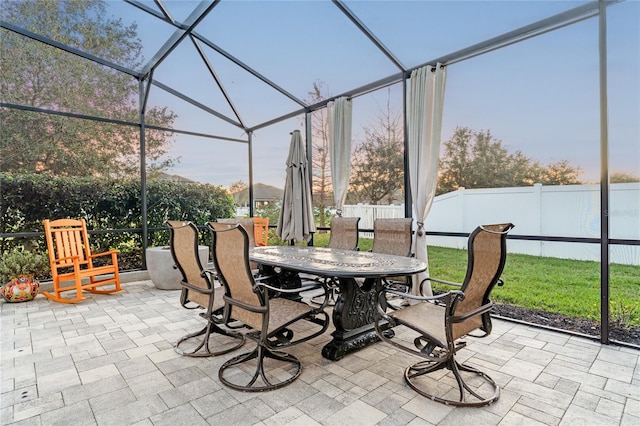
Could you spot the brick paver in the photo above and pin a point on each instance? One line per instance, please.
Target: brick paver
(110, 361)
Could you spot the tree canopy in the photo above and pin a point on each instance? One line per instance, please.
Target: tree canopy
(475, 159)
(34, 74)
(378, 161)
(623, 177)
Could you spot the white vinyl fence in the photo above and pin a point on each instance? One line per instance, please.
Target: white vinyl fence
(559, 211)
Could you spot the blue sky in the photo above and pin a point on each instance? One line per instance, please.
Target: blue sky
(539, 96)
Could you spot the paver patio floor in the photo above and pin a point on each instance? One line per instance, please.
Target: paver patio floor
(110, 361)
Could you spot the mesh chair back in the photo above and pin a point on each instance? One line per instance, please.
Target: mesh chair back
(246, 223)
(392, 236)
(183, 243)
(231, 259)
(487, 250)
(344, 233)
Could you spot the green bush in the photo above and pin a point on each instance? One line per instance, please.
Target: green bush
(23, 262)
(106, 205)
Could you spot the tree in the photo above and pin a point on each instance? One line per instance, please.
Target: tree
(475, 159)
(378, 162)
(38, 75)
(237, 186)
(238, 193)
(623, 177)
(320, 159)
(560, 173)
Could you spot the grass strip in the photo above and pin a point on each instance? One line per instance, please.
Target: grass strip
(563, 286)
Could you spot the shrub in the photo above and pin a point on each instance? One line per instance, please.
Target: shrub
(23, 262)
(106, 205)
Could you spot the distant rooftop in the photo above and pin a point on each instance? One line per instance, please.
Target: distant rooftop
(261, 192)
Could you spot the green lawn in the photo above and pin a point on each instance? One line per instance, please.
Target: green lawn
(567, 287)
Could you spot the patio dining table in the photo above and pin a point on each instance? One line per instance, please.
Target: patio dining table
(358, 274)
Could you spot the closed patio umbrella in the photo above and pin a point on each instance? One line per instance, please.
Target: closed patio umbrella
(295, 222)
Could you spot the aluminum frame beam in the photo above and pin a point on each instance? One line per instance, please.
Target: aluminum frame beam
(218, 49)
(247, 68)
(115, 121)
(215, 77)
(559, 20)
(198, 14)
(196, 37)
(605, 281)
(586, 11)
(164, 17)
(196, 103)
(67, 48)
(370, 35)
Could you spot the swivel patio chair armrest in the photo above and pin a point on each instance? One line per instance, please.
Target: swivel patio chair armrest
(261, 278)
(304, 287)
(251, 308)
(207, 291)
(437, 298)
(211, 272)
(481, 310)
(457, 293)
(437, 280)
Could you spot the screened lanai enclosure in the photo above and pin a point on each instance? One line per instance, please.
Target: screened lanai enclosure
(130, 113)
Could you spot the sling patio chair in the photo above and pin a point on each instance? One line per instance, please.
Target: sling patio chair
(198, 288)
(71, 260)
(248, 224)
(275, 320)
(433, 331)
(343, 235)
(394, 236)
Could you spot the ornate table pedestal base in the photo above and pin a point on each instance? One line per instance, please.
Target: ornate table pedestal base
(353, 317)
(355, 311)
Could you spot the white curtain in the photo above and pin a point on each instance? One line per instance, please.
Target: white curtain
(340, 149)
(424, 110)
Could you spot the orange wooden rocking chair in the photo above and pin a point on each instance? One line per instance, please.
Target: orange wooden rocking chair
(261, 230)
(71, 260)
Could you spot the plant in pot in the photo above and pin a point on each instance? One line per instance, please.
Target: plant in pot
(19, 270)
